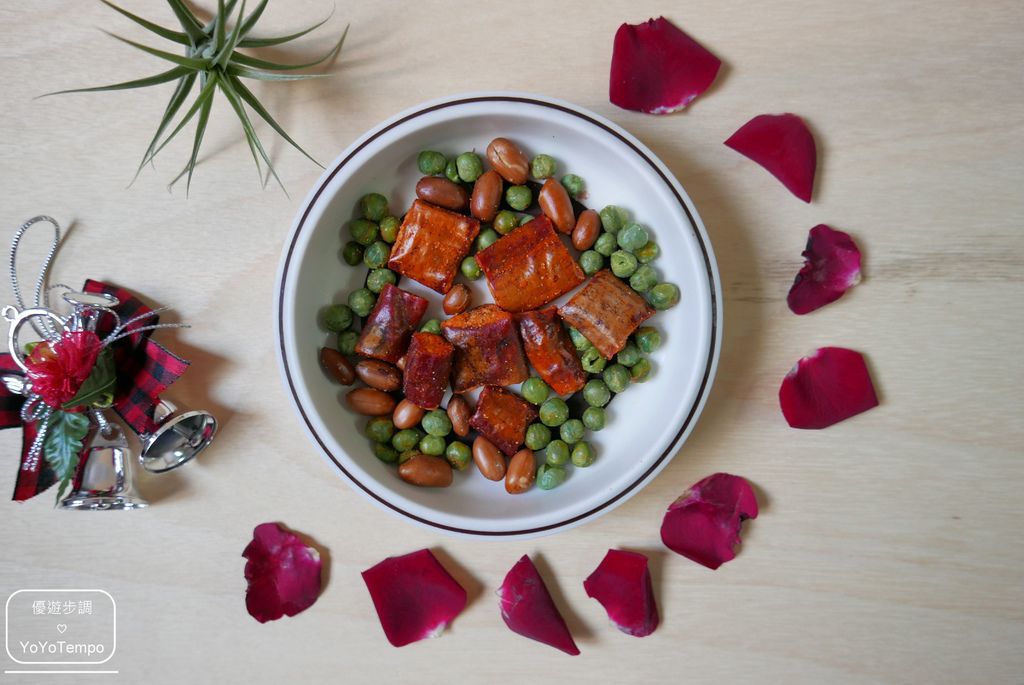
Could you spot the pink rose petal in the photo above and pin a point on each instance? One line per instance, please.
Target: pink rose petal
(826, 387)
(658, 69)
(783, 145)
(622, 584)
(703, 525)
(527, 608)
(831, 266)
(283, 573)
(415, 597)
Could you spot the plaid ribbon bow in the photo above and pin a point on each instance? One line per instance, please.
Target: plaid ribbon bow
(144, 370)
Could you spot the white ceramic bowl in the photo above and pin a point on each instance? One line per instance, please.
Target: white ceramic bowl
(646, 424)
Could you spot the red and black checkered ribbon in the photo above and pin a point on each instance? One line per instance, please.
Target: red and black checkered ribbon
(144, 370)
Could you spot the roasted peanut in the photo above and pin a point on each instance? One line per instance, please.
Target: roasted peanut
(555, 203)
(378, 374)
(442, 192)
(508, 160)
(488, 459)
(426, 471)
(522, 470)
(337, 366)
(457, 299)
(486, 198)
(370, 402)
(458, 414)
(588, 227)
(406, 415)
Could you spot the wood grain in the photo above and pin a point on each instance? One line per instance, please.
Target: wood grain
(889, 548)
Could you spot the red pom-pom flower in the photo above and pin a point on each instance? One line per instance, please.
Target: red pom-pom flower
(658, 69)
(703, 525)
(832, 267)
(58, 369)
(283, 573)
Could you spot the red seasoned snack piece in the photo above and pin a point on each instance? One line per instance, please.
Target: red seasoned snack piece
(529, 267)
(606, 311)
(502, 417)
(386, 331)
(428, 364)
(550, 351)
(487, 348)
(431, 243)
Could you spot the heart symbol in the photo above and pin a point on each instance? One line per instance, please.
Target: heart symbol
(61, 627)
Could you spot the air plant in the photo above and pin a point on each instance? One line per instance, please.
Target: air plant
(211, 57)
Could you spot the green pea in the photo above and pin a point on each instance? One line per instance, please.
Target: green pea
(582, 455)
(518, 198)
(632, 237)
(407, 455)
(571, 431)
(543, 166)
(487, 237)
(605, 244)
(470, 269)
(363, 231)
(361, 301)
(432, 445)
(550, 477)
(405, 440)
(574, 184)
(594, 418)
(623, 263)
(537, 436)
(592, 361)
(389, 228)
(648, 253)
(469, 166)
(431, 326)
(431, 162)
(591, 262)
(556, 453)
(506, 222)
(458, 455)
(534, 390)
(437, 423)
(641, 371)
(378, 278)
(451, 171)
(386, 453)
(648, 339)
(616, 377)
(613, 218)
(596, 393)
(663, 296)
(338, 318)
(376, 255)
(553, 412)
(628, 355)
(380, 429)
(643, 279)
(525, 219)
(347, 342)
(579, 340)
(352, 253)
(373, 206)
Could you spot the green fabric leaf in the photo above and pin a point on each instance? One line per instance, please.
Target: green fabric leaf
(98, 385)
(176, 36)
(63, 444)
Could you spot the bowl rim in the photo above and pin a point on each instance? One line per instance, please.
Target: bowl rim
(608, 127)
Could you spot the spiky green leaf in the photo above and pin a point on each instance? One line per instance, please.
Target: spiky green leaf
(279, 40)
(251, 20)
(181, 60)
(236, 104)
(163, 77)
(177, 100)
(204, 116)
(246, 60)
(175, 36)
(260, 75)
(188, 21)
(63, 444)
(221, 58)
(204, 95)
(257, 107)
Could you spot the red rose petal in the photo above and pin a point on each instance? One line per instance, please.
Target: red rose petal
(783, 145)
(826, 387)
(527, 608)
(658, 69)
(831, 266)
(622, 584)
(703, 525)
(415, 597)
(283, 573)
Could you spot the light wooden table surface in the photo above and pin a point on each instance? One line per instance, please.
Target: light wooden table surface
(889, 548)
